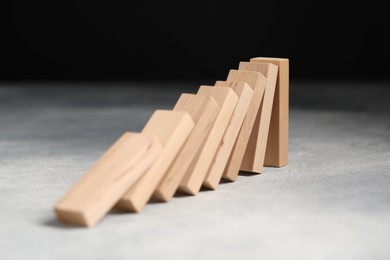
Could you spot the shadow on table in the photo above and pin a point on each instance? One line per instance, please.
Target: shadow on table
(54, 223)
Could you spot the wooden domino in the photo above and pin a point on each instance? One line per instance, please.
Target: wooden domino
(172, 129)
(227, 100)
(257, 82)
(253, 160)
(244, 93)
(277, 145)
(203, 110)
(108, 179)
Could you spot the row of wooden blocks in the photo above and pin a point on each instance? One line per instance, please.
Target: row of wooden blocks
(238, 124)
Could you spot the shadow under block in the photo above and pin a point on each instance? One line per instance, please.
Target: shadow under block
(172, 128)
(203, 110)
(244, 93)
(253, 160)
(108, 179)
(257, 82)
(196, 173)
(277, 145)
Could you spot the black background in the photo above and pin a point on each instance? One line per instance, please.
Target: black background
(197, 39)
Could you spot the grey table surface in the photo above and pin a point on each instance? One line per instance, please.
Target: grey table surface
(331, 202)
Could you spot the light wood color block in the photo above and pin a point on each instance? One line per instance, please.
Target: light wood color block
(227, 100)
(277, 146)
(108, 179)
(244, 93)
(257, 82)
(253, 160)
(172, 129)
(203, 110)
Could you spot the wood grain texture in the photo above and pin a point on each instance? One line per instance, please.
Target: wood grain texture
(227, 100)
(277, 145)
(244, 93)
(203, 109)
(108, 179)
(257, 82)
(172, 129)
(253, 160)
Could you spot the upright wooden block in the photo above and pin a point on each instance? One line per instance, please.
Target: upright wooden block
(255, 151)
(203, 110)
(172, 129)
(108, 179)
(277, 146)
(244, 93)
(257, 82)
(227, 100)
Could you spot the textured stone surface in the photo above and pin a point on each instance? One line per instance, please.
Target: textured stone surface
(331, 202)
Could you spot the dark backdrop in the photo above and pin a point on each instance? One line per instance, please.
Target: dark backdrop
(180, 39)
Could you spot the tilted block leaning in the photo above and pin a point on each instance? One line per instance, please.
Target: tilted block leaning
(238, 124)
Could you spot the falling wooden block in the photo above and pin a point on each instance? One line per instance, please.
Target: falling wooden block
(227, 100)
(108, 179)
(257, 82)
(172, 129)
(253, 160)
(244, 93)
(203, 110)
(277, 146)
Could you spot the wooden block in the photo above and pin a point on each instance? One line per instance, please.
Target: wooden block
(172, 129)
(227, 100)
(257, 82)
(108, 179)
(277, 146)
(203, 110)
(244, 93)
(253, 160)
